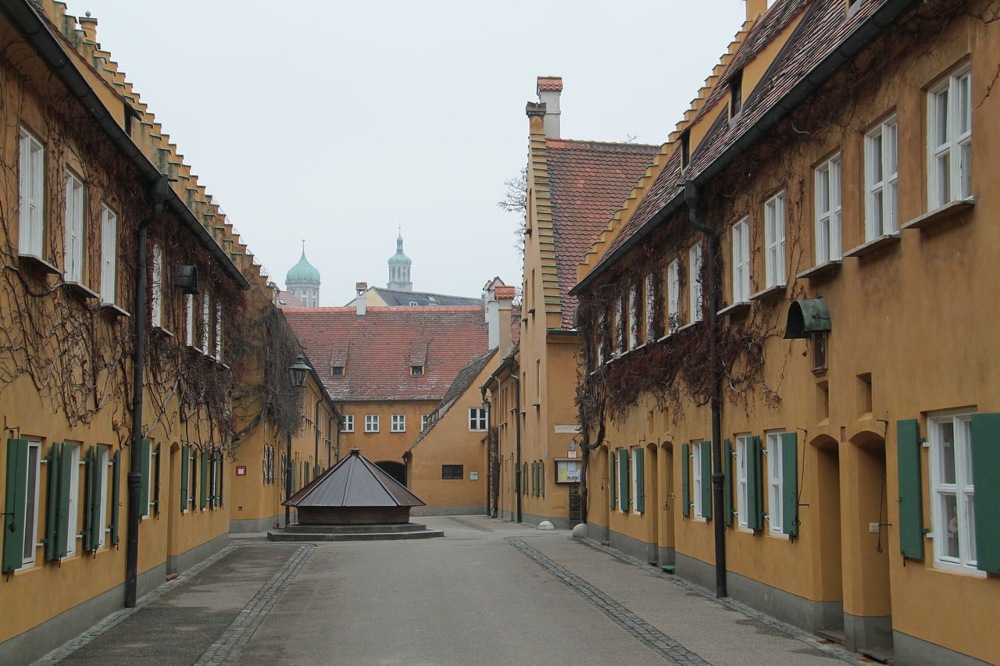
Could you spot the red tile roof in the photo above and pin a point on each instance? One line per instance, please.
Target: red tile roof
(287, 299)
(823, 31)
(588, 181)
(377, 350)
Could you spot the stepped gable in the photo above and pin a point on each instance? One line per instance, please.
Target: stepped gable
(588, 181)
(823, 30)
(354, 482)
(376, 350)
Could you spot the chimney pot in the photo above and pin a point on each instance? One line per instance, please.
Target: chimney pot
(549, 89)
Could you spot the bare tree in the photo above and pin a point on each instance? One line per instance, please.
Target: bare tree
(515, 200)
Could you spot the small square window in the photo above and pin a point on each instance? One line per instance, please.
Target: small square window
(417, 370)
(477, 418)
(347, 423)
(337, 371)
(398, 423)
(371, 422)
(453, 472)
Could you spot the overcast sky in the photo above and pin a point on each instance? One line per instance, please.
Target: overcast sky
(340, 122)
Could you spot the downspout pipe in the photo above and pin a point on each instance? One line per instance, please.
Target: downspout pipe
(489, 430)
(316, 428)
(517, 468)
(692, 197)
(158, 191)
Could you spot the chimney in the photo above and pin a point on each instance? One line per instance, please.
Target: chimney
(755, 8)
(362, 300)
(498, 304)
(548, 90)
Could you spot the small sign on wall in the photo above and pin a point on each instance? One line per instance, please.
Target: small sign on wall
(241, 470)
(563, 429)
(473, 476)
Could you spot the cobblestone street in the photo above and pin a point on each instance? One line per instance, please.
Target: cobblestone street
(490, 592)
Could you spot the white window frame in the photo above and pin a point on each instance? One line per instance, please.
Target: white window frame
(31, 218)
(397, 423)
(619, 323)
(673, 296)
(206, 324)
(109, 255)
(602, 327)
(949, 138)
(742, 453)
(828, 210)
(218, 330)
(29, 546)
(347, 423)
(961, 488)
(633, 462)
(774, 241)
(618, 476)
(73, 250)
(650, 316)
(694, 283)
(72, 449)
(775, 485)
(633, 317)
(423, 421)
(371, 422)
(740, 236)
(156, 288)
(104, 464)
(189, 320)
(882, 179)
(477, 419)
(697, 481)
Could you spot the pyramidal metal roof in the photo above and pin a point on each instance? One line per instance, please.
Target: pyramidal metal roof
(354, 482)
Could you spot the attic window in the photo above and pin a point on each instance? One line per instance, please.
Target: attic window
(736, 94)
(685, 148)
(417, 370)
(337, 370)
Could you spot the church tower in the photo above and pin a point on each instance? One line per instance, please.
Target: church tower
(302, 281)
(399, 268)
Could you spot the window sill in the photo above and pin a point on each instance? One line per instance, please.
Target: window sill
(37, 263)
(686, 327)
(80, 291)
(159, 330)
(950, 212)
(770, 293)
(113, 310)
(873, 245)
(820, 271)
(735, 310)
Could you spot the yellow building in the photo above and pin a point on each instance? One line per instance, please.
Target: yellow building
(793, 387)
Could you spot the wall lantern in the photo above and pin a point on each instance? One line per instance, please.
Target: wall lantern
(186, 279)
(807, 316)
(297, 371)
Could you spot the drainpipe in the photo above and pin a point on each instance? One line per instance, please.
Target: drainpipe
(158, 191)
(693, 198)
(333, 442)
(489, 430)
(517, 469)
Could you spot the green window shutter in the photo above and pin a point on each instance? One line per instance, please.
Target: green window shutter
(623, 486)
(911, 517)
(144, 480)
(185, 472)
(612, 480)
(640, 480)
(156, 480)
(790, 483)
(541, 476)
(221, 477)
(706, 479)
(204, 479)
(727, 483)
(755, 485)
(17, 483)
(116, 475)
(685, 480)
(52, 515)
(986, 477)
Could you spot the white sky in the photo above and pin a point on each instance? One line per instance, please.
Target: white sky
(336, 122)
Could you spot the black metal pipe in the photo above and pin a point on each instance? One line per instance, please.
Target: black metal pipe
(288, 479)
(158, 193)
(693, 199)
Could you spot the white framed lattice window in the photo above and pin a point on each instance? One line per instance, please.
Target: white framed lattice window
(424, 418)
(477, 419)
(109, 255)
(952, 492)
(698, 481)
(774, 485)
(743, 452)
(398, 423)
(156, 288)
(371, 422)
(189, 320)
(206, 324)
(740, 237)
(774, 240)
(694, 282)
(633, 317)
(103, 462)
(949, 138)
(31, 219)
(72, 451)
(347, 423)
(636, 469)
(881, 180)
(827, 180)
(218, 330)
(619, 326)
(73, 248)
(649, 289)
(673, 296)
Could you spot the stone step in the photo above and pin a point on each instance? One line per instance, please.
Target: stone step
(293, 535)
(354, 529)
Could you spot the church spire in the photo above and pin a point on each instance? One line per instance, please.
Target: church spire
(399, 268)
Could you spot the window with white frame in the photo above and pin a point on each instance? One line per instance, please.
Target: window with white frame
(189, 320)
(73, 249)
(881, 180)
(71, 450)
(156, 288)
(371, 422)
(347, 423)
(477, 418)
(673, 296)
(21, 525)
(774, 484)
(423, 421)
(694, 282)
(949, 132)
(952, 492)
(109, 254)
(827, 177)
(218, 330)
(602, 328)
(741, 261)
(398, 423)
(206, 324)
(743, 444)
(624, 500)
(774, 240)
(633, 317)
(637, 465)
(31, 219)
(619, 326)
(103, 462)
(649, 289)
(700, 510)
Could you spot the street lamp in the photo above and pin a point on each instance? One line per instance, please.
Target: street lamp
(297, 376)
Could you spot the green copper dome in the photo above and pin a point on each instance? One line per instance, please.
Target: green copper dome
(302, 272)
(399, 259)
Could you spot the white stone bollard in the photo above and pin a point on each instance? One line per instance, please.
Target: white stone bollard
(546, 525)
(580, 531)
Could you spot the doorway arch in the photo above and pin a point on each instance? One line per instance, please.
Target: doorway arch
(396, 470)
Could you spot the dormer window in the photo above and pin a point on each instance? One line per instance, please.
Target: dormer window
(735, 94)
(336, 371)
(417, 370)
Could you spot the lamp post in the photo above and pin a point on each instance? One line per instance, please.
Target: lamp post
(297, 376)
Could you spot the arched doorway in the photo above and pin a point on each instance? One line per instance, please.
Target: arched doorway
(396, 470)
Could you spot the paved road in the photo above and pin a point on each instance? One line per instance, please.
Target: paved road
(489, 592)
